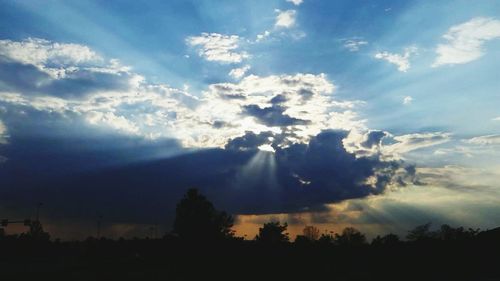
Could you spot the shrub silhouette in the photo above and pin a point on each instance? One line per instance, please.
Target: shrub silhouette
(197, 219)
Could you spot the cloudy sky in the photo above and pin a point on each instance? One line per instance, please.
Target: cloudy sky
(380, 115)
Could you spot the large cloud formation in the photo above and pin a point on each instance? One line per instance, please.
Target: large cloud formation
(86, 131)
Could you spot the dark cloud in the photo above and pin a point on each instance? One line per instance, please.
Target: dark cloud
(272, 116)
(28, 79)
(278, 99)
(306, 94)
(373, 138)
(249, 141)
(69, 177)
(15, 76)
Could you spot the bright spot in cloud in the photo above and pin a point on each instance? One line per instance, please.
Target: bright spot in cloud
(266, 148)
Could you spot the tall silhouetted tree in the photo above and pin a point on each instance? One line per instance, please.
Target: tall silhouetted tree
(197, 218)
(311, 232)
(350, 236)
(273, 232)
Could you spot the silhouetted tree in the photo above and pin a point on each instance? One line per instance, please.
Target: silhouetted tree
(326, 238)
(197, 218)
(273, 232)
(311, 232)
(419, 233)
(389, 239)
(350, 236)
(302, 240)
(36, 232)
(449, 233)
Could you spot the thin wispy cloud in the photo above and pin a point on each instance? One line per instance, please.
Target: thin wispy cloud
(354, 44)
(485, 140)
(218, 47)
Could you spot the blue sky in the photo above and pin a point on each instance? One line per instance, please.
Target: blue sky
(117, 83)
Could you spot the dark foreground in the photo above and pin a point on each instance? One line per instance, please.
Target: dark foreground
(171, 258)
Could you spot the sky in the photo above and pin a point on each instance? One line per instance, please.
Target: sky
(381, 115)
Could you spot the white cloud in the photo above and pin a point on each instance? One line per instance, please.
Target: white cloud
(465, 41)
(295, 2)
(302, 96)
(353, 44)
(285, 19)
(363, 142)
(46, 55)
(3, 133)
(496, 119)
(298, 106)
(37, 51)
(237, 73)
(115, 122)
(402, 61)
(295, 106)
(407, 100)
(262, 36)
(218, 47)
(485, 140)
(411, 142)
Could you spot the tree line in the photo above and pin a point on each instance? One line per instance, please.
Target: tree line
(203, 246)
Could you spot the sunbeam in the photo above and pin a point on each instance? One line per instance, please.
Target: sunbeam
(260, 170)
